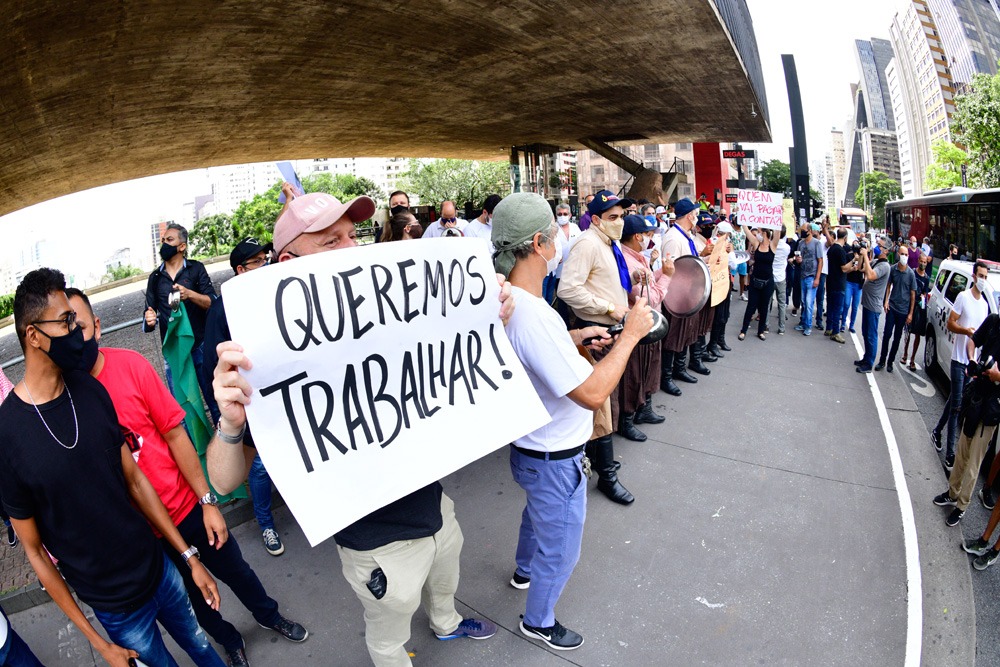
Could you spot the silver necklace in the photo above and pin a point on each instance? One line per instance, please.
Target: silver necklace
(76, 424)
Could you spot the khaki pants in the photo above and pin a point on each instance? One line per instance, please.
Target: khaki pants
(968, 458)
(424, 569)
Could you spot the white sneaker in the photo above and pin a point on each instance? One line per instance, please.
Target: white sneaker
(743, 297)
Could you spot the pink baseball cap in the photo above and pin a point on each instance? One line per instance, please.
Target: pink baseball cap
(317, 211)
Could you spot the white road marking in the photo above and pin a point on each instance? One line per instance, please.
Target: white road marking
(710, 605)
(914, 594)
(718, 514)
(922, 387)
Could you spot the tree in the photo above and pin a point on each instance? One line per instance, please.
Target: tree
(976, 124)
(120, 272)
(877, 188)
(946, 170)
(460, 181)
(212, 236)
(775, 176)
(343, 186)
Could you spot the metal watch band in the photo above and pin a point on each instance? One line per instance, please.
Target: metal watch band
(230, 439)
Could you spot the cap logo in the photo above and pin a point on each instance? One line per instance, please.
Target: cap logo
(318, 204)
(604, 198)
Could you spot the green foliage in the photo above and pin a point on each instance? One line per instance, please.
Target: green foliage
(817, 195)
(212, 236)
(120, 272)
(877, 188)
(775, 176)
(976, 124)
(946, 170)
(460, 181)
(343, 186)
(6, 305)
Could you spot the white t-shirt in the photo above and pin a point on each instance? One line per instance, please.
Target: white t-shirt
(477, 229)
(781, 260)
(971, 313)
(822, 253)
(574, 234)
(555, 368)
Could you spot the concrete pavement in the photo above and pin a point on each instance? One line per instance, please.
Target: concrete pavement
(766, 531)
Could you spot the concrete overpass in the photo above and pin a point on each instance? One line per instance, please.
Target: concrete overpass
(94, 92)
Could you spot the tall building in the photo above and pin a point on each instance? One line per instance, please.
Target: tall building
(870, 137)
(970, 33)
(836, 184)
(235, 183)
(830, 183)
(156, 231)
(921, 90)
(595, 173)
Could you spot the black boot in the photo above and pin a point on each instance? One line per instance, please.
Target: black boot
(667, 375)
(715, 350)
(696, 351)
(680, 368)
(607, 473)
(627, 429)
(645, 414)
(722, 342)
(707, 356)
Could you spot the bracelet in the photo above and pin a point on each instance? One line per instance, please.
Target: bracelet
(230, 439)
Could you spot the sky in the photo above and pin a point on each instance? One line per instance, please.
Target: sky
(84, 228)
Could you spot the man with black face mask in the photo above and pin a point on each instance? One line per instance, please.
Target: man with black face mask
(191, 282)
(399, 202)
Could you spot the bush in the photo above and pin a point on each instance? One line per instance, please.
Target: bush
(6, 305)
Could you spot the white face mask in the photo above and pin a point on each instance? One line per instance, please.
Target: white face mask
(981, 285)
(552, 264)
(563, 220)
(902, 259)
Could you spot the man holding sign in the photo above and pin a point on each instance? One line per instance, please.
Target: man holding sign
(548, 462)
(398, 555)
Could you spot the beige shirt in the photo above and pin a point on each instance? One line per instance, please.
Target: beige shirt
(676, 245)
(590, 281)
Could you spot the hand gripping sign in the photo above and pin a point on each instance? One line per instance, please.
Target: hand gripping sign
(376, 371)
(760, 209)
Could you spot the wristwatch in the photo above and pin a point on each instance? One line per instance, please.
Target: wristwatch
(209, 499)
(230, 439)
(191, 551)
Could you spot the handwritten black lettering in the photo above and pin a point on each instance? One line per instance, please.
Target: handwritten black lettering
(279, 309)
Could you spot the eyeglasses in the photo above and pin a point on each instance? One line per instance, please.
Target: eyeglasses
(69, 319)
(256, 263)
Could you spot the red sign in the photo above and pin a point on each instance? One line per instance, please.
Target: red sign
(739, 154)
(732, 197)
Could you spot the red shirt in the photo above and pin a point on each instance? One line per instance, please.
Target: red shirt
(146, 410)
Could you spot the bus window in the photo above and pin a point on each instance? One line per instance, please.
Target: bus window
(942, 279)
(957, 285)
(986, 247)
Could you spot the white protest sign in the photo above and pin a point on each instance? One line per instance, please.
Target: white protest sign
(760, 209)
(376, 371)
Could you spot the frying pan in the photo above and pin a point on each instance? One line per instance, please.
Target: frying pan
(690, 287)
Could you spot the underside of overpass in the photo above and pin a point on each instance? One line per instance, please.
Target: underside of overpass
(95, 92)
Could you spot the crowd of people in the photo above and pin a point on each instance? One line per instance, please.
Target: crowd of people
(579, 300)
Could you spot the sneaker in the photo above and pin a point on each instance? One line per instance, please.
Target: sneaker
(837, 338)
(880, 365)
(863, 369)
(859, 362)
(828, 333)
(936, 440)
(743, 297)
(290, 630)
(807, 332)
(272, 542)
(954, 518)
(853, 331)
(11, 537)
(238, 657)
(976, 547)
(473, 628)
(519, 582)
(795, 311)
(986, 497)
(985, 560)
(944, 500)
(888, 367)
(949, 462)
(781, 332)
(799, 327)
(558, 637)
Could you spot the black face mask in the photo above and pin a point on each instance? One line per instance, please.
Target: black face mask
(396, 210)
(67, 352)
(167, 251)
(89, 354)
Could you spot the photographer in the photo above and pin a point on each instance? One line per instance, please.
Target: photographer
(855, 281)
(980, 415)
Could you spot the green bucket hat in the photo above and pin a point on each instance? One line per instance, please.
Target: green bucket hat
(516, 220)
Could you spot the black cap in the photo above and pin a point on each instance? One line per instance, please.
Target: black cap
(246, 249)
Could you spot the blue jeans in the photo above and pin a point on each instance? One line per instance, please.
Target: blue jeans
(852, 300)
(835, 310)
(808, 302)
(14, 652)
(226, 565)
(170, 606)
(820, 294)
(869, 331)
(260, 491)
(548, 546)
(953, 406)
(894, 325)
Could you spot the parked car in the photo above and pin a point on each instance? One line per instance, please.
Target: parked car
(953, 277)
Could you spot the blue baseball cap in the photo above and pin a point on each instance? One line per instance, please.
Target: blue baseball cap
(604, 200)
(636, 224)
(685, 206)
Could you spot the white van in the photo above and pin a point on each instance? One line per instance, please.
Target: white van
(953, 277)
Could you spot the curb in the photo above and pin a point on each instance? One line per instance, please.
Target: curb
(236, 513)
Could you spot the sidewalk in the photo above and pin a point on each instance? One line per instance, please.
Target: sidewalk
(766, 530)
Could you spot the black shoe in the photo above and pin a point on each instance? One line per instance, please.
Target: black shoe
(986, 497)
(707, 356)
(936, 440)
(627, 429)
(859, 362)
(558, 637)
(684, 376)
(519, 582)
(985, 560)
(723, 346)
(955, 517)
(949, 462)
(864, 369)
(290, 630)
(238, 657)
(11, 536)
(667, 385)
(645, 414)
(714, 349)
(945, 500)
(888, 367)
(613, 489)
(880, 366)
(667, 375)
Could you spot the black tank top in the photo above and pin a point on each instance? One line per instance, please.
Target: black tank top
(763, 264)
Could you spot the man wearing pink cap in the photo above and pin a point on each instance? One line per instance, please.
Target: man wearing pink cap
(399, 555)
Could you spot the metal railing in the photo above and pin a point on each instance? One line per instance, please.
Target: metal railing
(111, 329)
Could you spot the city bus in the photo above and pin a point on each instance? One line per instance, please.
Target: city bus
(855, 218)
(968, 218)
